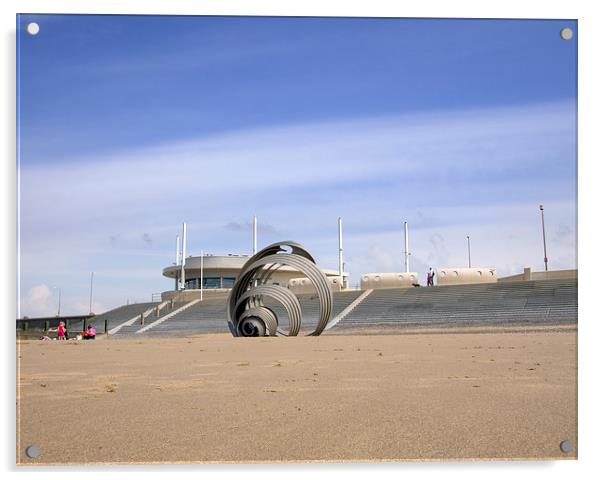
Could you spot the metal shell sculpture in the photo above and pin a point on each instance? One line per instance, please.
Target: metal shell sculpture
(248, 316)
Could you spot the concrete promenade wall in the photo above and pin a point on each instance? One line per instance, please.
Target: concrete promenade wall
(465, 276)
(550, 275)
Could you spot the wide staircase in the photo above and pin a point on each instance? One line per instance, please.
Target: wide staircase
(130, 324)
(117, 316)
(206, 316)
(209, 316)
(545, 302)
(310, 308)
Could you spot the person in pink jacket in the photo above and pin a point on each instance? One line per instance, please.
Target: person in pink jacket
(91, 333)
(60, 331)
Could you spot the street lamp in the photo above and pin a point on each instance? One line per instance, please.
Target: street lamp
(468, 238)
(58, 313)
(201, 279)
(543, 229)
(91, 287)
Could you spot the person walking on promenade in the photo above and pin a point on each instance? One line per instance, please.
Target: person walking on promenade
(430, 278)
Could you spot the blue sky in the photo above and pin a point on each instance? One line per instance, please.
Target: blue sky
(130, 125)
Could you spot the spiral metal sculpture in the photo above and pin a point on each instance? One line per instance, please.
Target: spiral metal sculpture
(247, 314)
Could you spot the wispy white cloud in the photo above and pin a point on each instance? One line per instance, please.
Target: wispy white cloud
(43, 301)
(493, 141)
(39, 302)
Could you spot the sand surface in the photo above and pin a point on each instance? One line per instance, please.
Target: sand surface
(330, 398)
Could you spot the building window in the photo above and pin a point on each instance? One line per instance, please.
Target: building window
(211, 282)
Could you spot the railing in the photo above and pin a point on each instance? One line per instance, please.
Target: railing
(157, 308)
(51, 323)
(44, 323)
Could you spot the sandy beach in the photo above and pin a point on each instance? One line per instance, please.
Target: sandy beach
(214, 398)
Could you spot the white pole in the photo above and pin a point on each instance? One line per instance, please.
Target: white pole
(254, 234)
(177, 261)
(202, 275)
(543, 229)
(183, 272)
(406, 254)
(341, 248)
(91, 286)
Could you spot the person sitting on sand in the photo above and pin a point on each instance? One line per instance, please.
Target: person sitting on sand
(90, 334)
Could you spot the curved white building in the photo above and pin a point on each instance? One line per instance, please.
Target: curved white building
(219, 273)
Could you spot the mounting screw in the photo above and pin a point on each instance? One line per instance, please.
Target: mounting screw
(32, 451)
(566, 33)
(566, 446)
(33, 28)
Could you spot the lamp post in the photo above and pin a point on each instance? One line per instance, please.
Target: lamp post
(406, 253)
(341, 268)
(58, 313)
(91, 286)
(202, 254)
(469, 263)
(543, 229)
(254, 234)
(183, 269)
(177, 281)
